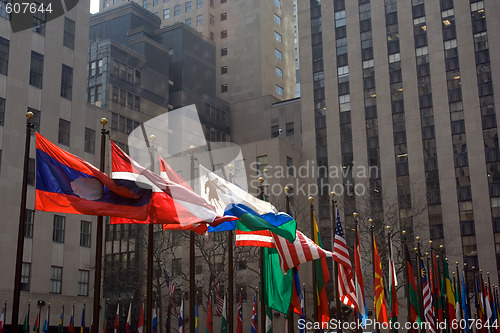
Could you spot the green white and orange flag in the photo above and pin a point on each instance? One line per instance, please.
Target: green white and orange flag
(380, 303)
(449, 293)
(322, 277)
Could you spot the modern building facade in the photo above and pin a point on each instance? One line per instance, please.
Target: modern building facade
(254, 40)
(43, 70)
(407, 89)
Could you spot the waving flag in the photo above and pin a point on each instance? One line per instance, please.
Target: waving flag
(254, 324)
(261, 238)
(239, 319)
(223, 323)
(426, 291)
(129, 319)
(82, 322)
(105, 321)
(380, 303)
(172, 203)
(449, 293)
(36, 326)
(296, 303)
(359, 282)
(45, 327)
(269, 320)
(155, 321)
(117, 318)
(219, 299)
(60, 324)
(209, 316)
(322, 277)
(67, 184)
(393, 282)
(347, 290)
(140, 326)
(71, 327)
(26, 320)
(2, 319)
(465, 302)
(181, 318)
(412, 288)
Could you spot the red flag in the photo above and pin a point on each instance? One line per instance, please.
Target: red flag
(173, 204)
(209, 316)
(117, 318)
(140, 326)
(295, 304)
(436, 290)
(239, 319)
(129, 319)
(2, 319)
(380, 303)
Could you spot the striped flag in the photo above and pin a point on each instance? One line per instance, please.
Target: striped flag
(168, 280)
(347, 291)
(426, 292)
(360, 285)
(302, 250)
(380, 303)
(140, 326)
(261, 238)
(154, 324)
(253, 328)
(219, 300)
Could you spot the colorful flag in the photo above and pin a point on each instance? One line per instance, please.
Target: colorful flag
(427, 296)
(254, 323)
(140, 326)
(435, 290)
(322, 277)
(26, 320)
(105, 321)
(302, 250)
(219, 300)
(239, 318)
(223, 323)
(412, 287)
(465, 302)
(269, 320)
(359, 282)
(67, 184)
(347, 290)
(168, 280)
(181, 318)
(117, 318)
(172, 203)
(277, 287)
(155, 320)
(2, 319)
(380, 303)
(45, 328)
(82, 322)
(60, 324)
(129, 319)
(36, 326)
(449, 293)
(393, 282)
(296, 303)
(209, 316)
(280, 224)
(71, 327)
(262, 238)
(195, 316)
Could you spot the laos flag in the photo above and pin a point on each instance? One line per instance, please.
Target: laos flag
(67, 184)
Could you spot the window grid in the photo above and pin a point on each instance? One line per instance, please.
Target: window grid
(83, 282)
(4, 55)
(25, 276)
(36, 69)
(69, 33)
(55, 279)
(58, 231)
(89, 140)
(64, 132)
(29, 220)
(67, 82)
(199, 20)
(85, 232)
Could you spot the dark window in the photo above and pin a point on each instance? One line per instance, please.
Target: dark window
(436, 231)
(290, 128)
(223, 16)
(2, 111)
(58, 230)
(467, 228)
(223, 34)
(223, 88)
(39, 19)
(55, 279)
(223, 51)
(223, 70)
(83, 282)
(67, 82)
(69, 33)
(4, 55)
(85, 229)
(25, 276)
(64, 131)
(36, 69)
(31, 172)
(28, 223)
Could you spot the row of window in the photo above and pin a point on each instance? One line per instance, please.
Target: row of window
(59, 227)
(187, 6)
(120, 69)
(36, 75)
(55, 283)
(123, 124)
(126, 98)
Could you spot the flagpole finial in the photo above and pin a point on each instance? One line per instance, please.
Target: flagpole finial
(191, 149)
(332, 194)
(261, 180)
(417, 238)
(103, 121)
(446, 259)
(480, 271)
(456, 263)
(30, 115)
(430, 242)
(441, 246)
(152, 138)
(388, 227)
(426, 254)
(355, 215)
(465, 264)
(287, 189)
(404, 232)
(473, 267)
(437, 256)
(415, 249)
(311, 199)
(370, 221)
(487, 273)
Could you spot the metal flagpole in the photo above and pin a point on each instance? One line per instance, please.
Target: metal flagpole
(315, 288)
(192, 259)
(372, 232)
(261, 264)
(230, 271)
(20, 234)
(338, 306)
(356, 319)
(291, 322)
(98, 246)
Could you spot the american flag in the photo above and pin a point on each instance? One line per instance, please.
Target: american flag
(218, 299)
(302, 250)
(347, 290)
(169, 281)
(426, 291)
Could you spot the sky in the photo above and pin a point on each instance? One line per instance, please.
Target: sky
(94, 6)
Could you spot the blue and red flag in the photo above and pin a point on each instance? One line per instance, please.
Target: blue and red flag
(66, 183)
(254, 326)
(295, 303)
